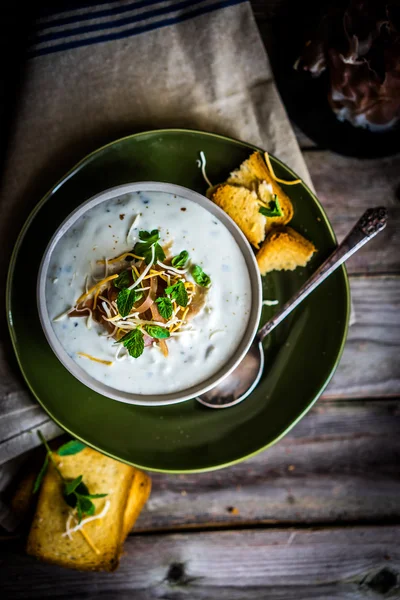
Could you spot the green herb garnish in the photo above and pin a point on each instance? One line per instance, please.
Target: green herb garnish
(273, 209)
(133, 342)
(72, 447)
(180, 260)
(178, 292)
(200, 277)
(155, 331)
(76, 495)
(41, 474)
(165, 307)
(125, 301)
(144, 247)
(75, 492)
(123, 280)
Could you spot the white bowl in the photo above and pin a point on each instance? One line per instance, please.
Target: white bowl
(159, 399)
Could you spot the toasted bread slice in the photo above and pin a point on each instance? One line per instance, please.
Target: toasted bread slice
(284, 249)
(242, 206)
(138, 496)
(23, 501)
(101, 475)
(254, 174)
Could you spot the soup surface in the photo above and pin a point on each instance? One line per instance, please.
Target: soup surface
(203, 345)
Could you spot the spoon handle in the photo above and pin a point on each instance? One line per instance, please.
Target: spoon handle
(371, 223)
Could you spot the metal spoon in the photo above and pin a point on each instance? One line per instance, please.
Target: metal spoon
(242, 380)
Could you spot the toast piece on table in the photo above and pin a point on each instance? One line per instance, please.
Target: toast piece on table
(284, 249)
(23, 501)
(138, 496)
(241, 204)
(101, 475)
(254, 174)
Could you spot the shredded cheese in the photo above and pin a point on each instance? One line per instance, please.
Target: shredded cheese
(78, 527)
(106, 310)
(89, 541)
(99, 360)
(202, 163)
(271, 170)
(118, 351)
(270, 302)
(134, 269)
(92, 289)
(121, 257)
(132, 322)
(96, 295)
(110, 335)
(173, 269)
(63, 315)
(133, 226)
(147, 269)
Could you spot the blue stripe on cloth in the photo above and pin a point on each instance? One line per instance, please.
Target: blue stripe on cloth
(60, 7)
(77, 18)
(133, 30)
(65, 33)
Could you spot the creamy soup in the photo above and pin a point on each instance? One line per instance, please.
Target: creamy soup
(203, 345)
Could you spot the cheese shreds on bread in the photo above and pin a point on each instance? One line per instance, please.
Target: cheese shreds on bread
(284, 249)
(242, 206)
(254, 174)
(101, 475)
(23, 501)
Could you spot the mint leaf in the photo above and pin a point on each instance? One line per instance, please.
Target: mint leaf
(143, 248)
(96, 495)
(180, 260)
(72, 447)
(41, 474)
(178, 292)
(133, 342)
(159, 253)
(125, 301)
(71, 497)
(86, 505)
(273, 209)
(165, 307)
(70, 486)
(200, 277)
(150, 237)
(123, 280)
(155, 331)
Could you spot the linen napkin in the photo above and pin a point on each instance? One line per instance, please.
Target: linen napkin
(100, 71)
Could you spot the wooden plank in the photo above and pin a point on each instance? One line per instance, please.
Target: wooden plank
(351, 563)
(339, 464)
(370, 365)
(346, 187)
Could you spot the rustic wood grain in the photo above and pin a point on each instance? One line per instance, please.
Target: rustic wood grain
(348, 186)
(339, 464)
(350, 563)
(370, 365)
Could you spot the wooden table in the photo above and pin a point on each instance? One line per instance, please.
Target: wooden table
(317, 516)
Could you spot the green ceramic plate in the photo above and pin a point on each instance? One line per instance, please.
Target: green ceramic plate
(301, 354)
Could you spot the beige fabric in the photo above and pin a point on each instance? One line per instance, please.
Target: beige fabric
(208, 73)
